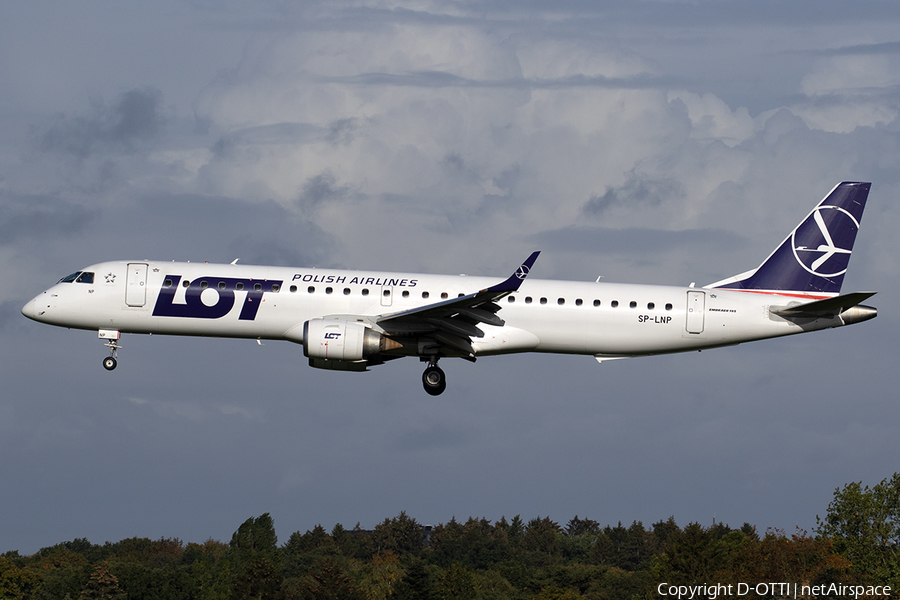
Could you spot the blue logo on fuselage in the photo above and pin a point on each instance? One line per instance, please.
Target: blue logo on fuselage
(224, 287)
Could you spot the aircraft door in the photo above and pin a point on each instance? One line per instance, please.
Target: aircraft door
(387, 295)
(136, 284)
(695, 310)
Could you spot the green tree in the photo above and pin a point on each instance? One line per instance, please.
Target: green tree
(253, 552)
(864, 525)
(692, 557)
(303, 551)
(15, 581)
(581, 527)
(416, 584)
(455, 583)
(543, 536)
(102, 585)
(401, 535)
(328, 582)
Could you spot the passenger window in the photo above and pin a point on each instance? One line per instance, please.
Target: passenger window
(185, 283)
(561, 301)
(204, 285)
(596, 303)
(328, 290)
(425, 294)
(651, 306)
(346, 291)
(311, 289)
(443, 295)
(510, 299)
(579, 302)
(527, 299)
(406, 293)
(221, 285)
(239, 286)
(167, 283)
(543, 301)
(614, 303)
(668, 307)
(632, 304)
(386, 293)
(293, 287)
(257, 286)
(275, 287)
(365, 292)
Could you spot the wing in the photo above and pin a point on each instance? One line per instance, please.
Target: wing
(448, 327)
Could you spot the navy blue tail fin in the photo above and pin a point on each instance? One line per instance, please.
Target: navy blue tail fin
(814, 257)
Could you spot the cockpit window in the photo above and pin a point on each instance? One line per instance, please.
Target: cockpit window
(69, 278)
(85, 278)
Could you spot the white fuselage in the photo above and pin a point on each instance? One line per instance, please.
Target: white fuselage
(605, 320)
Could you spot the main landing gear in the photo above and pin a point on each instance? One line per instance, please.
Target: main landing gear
(434, 379)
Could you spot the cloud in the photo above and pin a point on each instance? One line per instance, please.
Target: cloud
(634, 242)
(31, 215)
(135, 117)
(638, 189)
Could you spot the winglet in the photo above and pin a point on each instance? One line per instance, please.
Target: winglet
(513, 282)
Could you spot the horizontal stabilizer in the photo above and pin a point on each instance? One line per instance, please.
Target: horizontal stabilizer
(824, 308)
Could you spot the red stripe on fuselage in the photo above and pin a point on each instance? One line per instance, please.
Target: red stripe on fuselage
(779, 293)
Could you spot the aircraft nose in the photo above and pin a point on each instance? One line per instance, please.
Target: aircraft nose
(28, 309)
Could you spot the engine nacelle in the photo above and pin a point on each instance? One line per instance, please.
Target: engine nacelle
(341, 340)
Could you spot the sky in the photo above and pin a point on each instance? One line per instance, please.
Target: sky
(643, 141)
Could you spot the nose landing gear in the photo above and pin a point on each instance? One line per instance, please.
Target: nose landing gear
(112, 342)
(434, 379)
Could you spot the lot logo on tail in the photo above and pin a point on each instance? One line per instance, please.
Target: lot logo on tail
(823, 241)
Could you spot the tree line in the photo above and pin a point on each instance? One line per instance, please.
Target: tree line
(855, 543)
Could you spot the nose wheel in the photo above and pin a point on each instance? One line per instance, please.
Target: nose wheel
(112, 342)
(434, 379)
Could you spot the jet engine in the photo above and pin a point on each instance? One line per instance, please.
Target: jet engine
(342, 345)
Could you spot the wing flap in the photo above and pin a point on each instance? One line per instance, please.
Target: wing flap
(454, 323)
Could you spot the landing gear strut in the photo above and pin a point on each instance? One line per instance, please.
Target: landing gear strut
(433, 379)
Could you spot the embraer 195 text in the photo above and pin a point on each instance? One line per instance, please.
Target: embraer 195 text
(352, 320)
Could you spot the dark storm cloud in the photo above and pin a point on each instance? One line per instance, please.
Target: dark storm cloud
(320, 189)
(264, 135)
(135, 116)
(639, 189)
(24, 216)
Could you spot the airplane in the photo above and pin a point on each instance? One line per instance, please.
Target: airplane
(353, 320)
